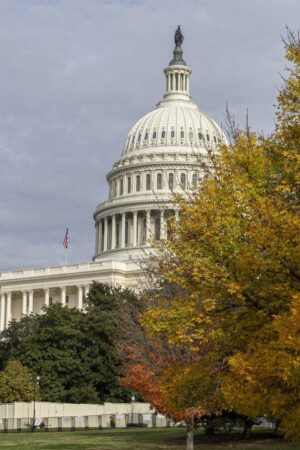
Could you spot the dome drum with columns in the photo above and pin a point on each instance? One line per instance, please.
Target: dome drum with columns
(160, 156)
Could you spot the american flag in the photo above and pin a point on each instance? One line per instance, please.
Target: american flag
(66, 239)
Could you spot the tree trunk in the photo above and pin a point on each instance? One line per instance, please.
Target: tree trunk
(248, 424)
(190, 435)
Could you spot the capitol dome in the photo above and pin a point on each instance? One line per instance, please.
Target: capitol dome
(160, 156)
(175, 124)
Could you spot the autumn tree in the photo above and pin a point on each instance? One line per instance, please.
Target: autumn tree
(264, 377)
(16, 383)
(231, 271)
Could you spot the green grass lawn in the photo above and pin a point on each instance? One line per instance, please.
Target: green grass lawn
(135, 439)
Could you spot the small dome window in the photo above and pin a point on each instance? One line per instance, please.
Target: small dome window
(181, 134)
(207, 137)
(215, 139)
(133, 139)
(139, 137)
(163, 134)
(191, 135)
(154, 135)
(146, 135)
(172, 134)
(200, 136)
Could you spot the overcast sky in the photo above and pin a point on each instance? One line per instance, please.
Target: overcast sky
(75, 75)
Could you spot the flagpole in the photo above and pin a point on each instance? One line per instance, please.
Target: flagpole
(66, 244)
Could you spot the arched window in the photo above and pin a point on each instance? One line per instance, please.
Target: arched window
(171, 181)
(148, 182)
(191, 135)
(172, 134)
(121, 186)
(159, 181)
(207, 137)
(183, 181)
(129, 185)
(163, 134)
(200, 136)
(146, 135)
(154, 135)
(181, 134)
(215, 139)
(138, 183)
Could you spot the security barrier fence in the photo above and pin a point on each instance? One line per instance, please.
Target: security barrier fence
(74, 423)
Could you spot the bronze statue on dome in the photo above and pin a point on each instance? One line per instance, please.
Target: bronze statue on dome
(178, 38)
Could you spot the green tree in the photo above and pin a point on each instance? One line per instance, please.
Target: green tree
(16, 383)
(74, 353)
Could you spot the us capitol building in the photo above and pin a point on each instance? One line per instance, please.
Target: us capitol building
(160, 156)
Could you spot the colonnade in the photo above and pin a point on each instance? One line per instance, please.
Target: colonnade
(177, 81)
(130, 229)
(16, 304)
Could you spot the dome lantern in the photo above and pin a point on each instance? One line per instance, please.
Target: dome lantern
(177, 74)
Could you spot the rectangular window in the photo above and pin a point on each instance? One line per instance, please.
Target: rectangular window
(129, 185)
(121, 187)
(138, 183)
(148, 182)
(159, 181)
(157, 228)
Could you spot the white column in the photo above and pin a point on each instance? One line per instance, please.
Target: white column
(176, 215)
(163, 230)
(24, 303)
(2, 312)
(134, 241)
(30, 302)
(105, 235)
(123, 227)
(47, 297)
(63, 295)
(100, 237)
(86, 290)
(8, 308)
(79, 297)
(113, 231)
(148, 231)
(97, 238)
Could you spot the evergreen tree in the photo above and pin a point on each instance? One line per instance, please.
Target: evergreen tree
(74, 352)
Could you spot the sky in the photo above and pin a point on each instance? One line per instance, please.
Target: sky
(77, 74)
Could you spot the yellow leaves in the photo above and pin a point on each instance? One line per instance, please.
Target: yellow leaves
(180, 323)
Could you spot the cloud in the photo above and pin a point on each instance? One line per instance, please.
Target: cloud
(77, 74)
